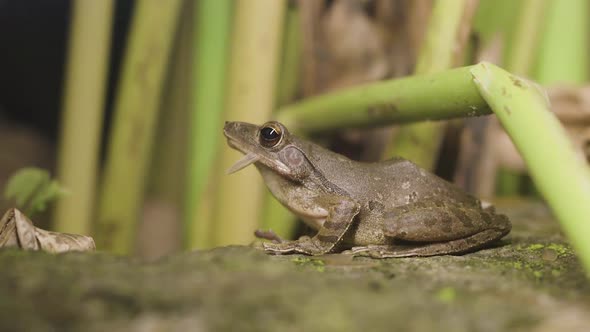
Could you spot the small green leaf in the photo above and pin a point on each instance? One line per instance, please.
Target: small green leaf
(32, 189)
(22, 185)
(46, 194)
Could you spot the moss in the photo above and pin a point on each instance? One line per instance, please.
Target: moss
(561, 249)
(535, 246)
(317, 264)
(446, 294)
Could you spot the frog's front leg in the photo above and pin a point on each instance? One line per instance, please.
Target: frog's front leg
(437, 228)
(268, 235)
(340, 217)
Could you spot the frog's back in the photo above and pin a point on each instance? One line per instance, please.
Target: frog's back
(394, 182)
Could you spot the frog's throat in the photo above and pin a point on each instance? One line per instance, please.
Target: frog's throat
(243, 162)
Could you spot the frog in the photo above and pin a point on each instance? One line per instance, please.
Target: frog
(383, 209)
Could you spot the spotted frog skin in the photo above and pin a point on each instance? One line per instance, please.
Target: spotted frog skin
(383, 209)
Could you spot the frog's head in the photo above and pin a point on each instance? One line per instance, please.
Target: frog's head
(270, 145)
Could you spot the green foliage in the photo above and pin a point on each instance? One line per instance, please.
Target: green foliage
(32, 189)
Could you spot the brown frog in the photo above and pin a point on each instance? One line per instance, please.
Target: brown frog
(383, 209)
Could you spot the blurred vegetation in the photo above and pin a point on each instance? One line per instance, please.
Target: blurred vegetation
(331, 70)
(130, 143)
(83, 111)
(251, 88)
(212, 28)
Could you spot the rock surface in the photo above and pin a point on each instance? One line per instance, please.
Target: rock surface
(530, 282)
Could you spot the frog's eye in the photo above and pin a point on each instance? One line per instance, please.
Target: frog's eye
(270, 136)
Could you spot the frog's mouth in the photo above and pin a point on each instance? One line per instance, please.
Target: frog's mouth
(243, 162)
(248, 158)
(253, 157)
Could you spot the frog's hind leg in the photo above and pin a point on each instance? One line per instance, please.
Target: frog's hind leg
(436, 228)
(459, 246)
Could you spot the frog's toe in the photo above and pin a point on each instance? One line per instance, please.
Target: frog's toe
(279, 248)
(364, 249)
(373, 251)
(304, 245)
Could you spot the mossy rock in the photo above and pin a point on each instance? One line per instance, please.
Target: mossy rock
(531, 281)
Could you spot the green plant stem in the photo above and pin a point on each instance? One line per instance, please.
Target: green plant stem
(450, 95)
(211, 51)
(561, 176)
(520, 56)
(290, 69)
(169, 151)
(496, 18)
(420, 142)
(563, 53)
(508, 182)
(523, 48)
(136, 105)
(438, 50)
(256, 41)
(83, 107)
(160, 228)
(275, 216)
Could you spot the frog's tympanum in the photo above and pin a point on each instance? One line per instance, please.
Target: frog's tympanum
(384, 209)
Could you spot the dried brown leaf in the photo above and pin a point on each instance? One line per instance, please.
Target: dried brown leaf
(16, 230)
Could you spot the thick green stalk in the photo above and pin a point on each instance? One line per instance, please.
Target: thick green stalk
(256, 41)
(563, 53)
(211, 51)
(136, 105)
(450, 95)
(561, 176)
(83, 108)
(420, 142)
(275, 216)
